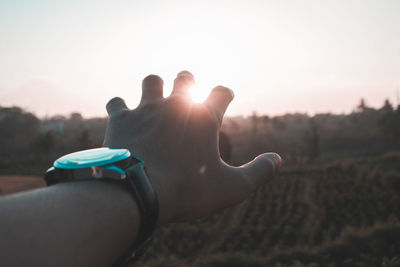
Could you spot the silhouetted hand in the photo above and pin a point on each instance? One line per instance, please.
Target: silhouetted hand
(178, 140)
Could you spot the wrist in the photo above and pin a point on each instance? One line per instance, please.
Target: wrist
(161, 187)
(119, 165)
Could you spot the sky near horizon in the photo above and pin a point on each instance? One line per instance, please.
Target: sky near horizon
(277, 56)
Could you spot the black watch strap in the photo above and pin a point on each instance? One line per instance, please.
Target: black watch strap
(147, 201)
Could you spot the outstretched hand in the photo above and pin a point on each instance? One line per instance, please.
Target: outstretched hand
(178, 140)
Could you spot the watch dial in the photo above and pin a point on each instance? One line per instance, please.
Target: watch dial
(92, 157)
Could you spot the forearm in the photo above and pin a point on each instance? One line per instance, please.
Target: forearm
(87, 223)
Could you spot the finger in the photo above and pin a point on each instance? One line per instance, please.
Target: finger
(116, 105)
(152, 89)
(182, 82)
(218, 101)
(261, 169)
(243, 180)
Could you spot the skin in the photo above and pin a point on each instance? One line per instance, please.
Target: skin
(69, 224)
(178, 140)
(92, 223)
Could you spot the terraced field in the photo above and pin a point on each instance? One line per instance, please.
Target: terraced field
(342, 214)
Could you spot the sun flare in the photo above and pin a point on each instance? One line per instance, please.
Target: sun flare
(199, 93)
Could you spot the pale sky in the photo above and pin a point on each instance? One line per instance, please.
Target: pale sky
(277, 56)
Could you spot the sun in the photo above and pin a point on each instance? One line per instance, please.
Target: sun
(199, 93)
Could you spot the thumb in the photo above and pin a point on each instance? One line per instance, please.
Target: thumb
(263, 168)
(244, 180)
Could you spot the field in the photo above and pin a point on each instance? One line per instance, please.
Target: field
(16, 183)
(341, 214)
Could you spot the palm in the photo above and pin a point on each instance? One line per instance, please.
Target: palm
(178, 141)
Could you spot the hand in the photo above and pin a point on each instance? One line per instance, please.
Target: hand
(178, 141)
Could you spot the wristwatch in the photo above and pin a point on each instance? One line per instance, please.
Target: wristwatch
(116, 164)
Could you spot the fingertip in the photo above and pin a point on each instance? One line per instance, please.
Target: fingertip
(114, 100)
(268, 164)
(182, 82)
(225, 90)
(278, 160)
(115, 104)
(218, 100)
(274, 160)
(152, 80)
(152, 88)
(263, 168)
(184, 78)
(186, 74)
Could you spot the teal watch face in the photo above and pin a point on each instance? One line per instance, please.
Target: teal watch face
(92, 158)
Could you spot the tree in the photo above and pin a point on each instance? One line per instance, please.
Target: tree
(387, 106)
(254, 122)
(390, 125)
(362, 106)
(311, 141)
(84, 139)
(45, 144)
(18, 128)
(76, 116)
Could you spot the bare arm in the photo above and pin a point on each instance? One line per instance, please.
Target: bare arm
(74, 224)
(93, 223)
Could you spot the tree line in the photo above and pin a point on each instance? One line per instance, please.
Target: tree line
(29, 144)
